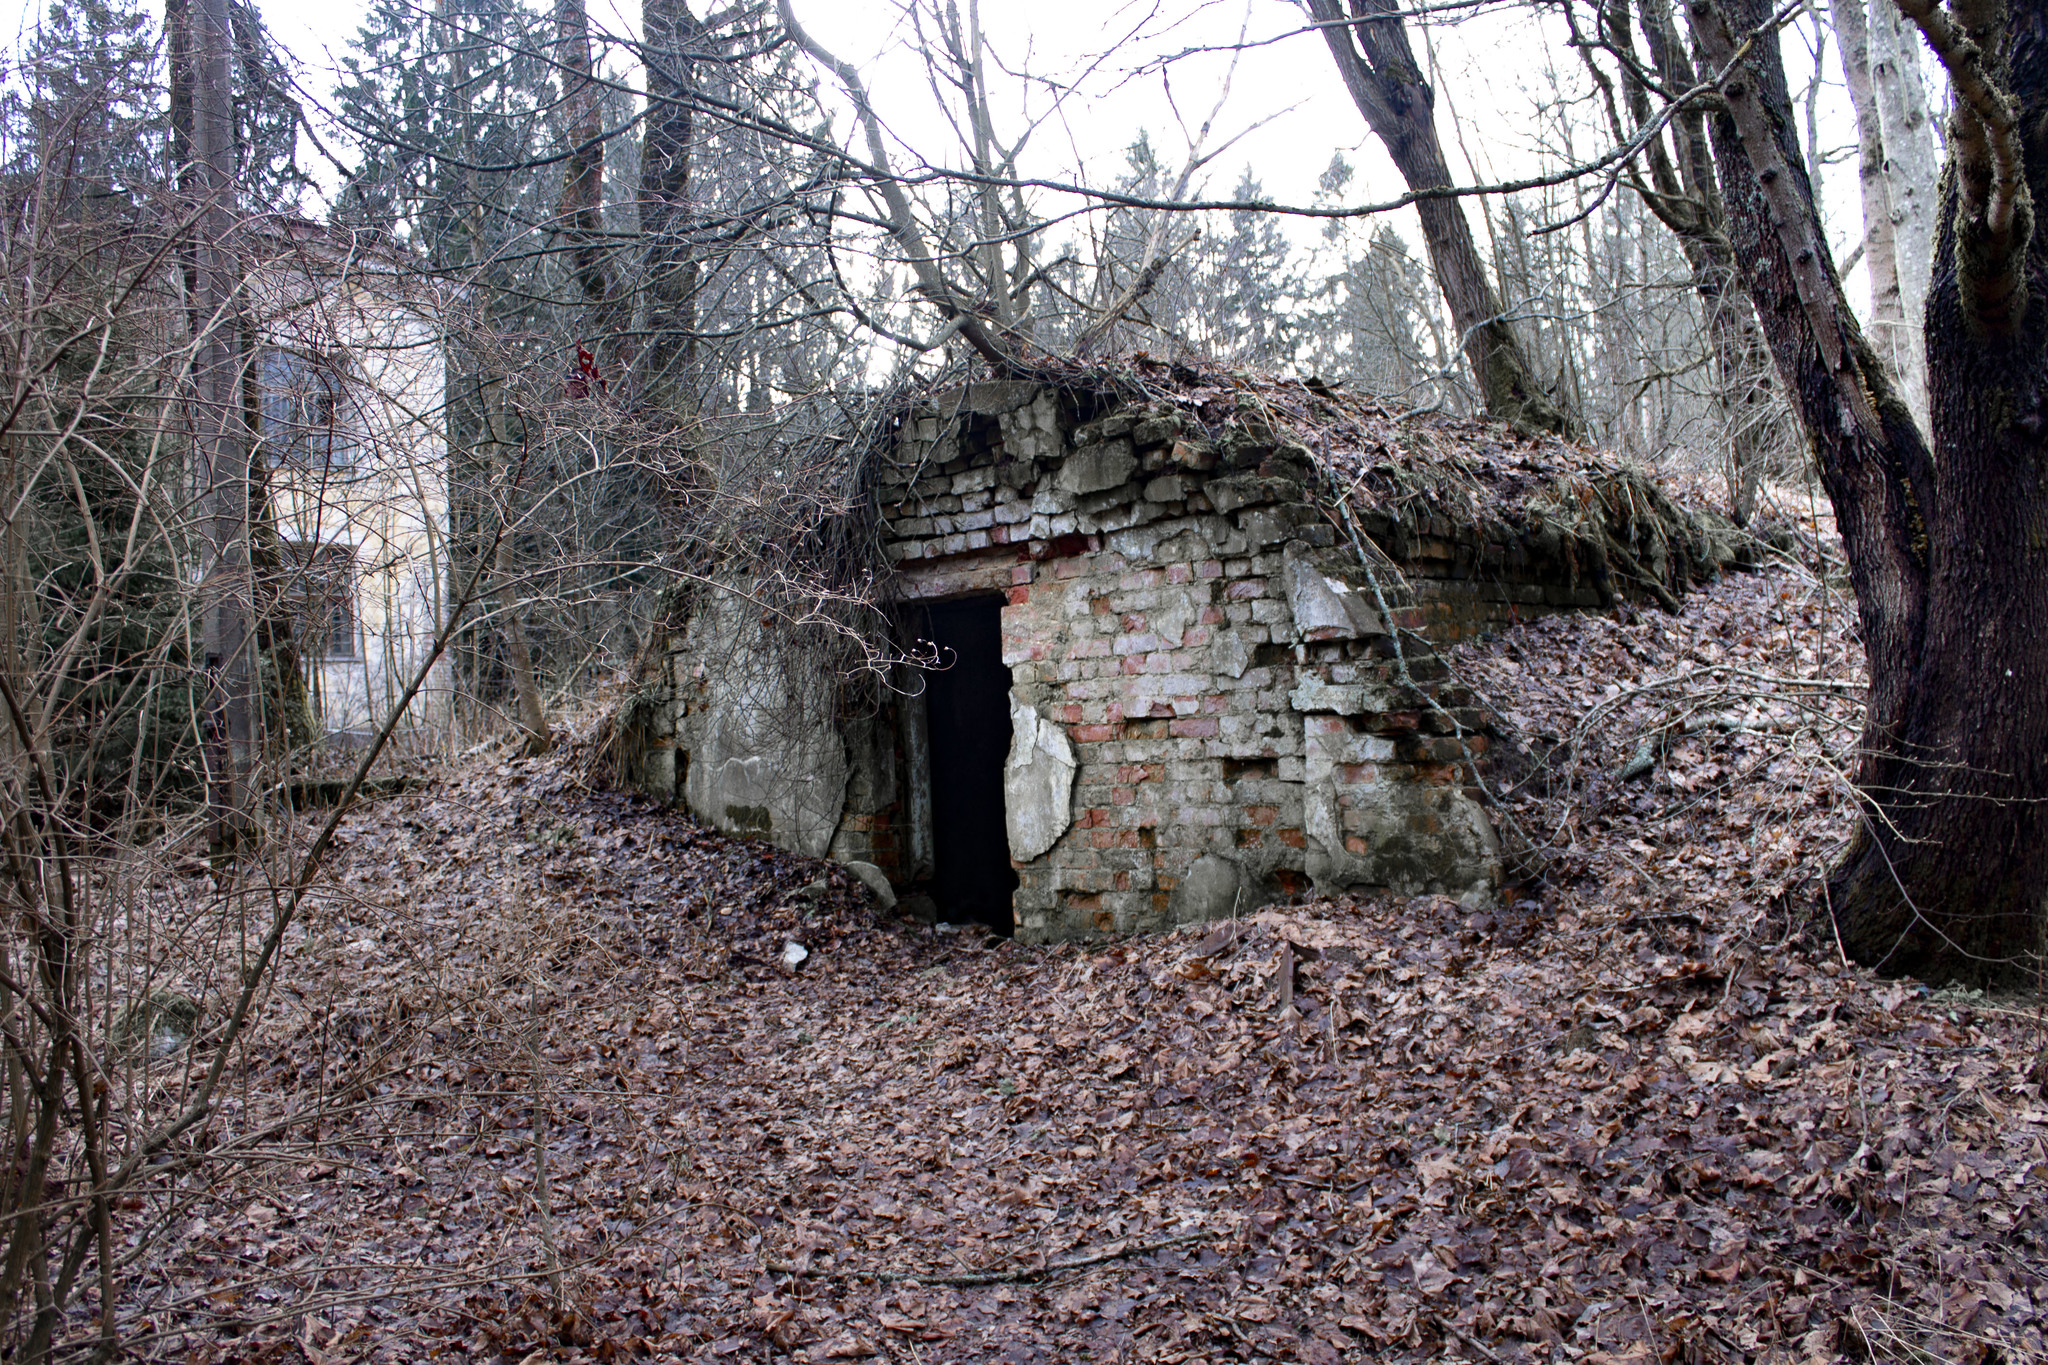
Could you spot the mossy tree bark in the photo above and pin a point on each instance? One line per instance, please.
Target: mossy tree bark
(1948, 543)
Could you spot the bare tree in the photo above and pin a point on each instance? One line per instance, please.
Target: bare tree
(1385, 81)
(1943, 543)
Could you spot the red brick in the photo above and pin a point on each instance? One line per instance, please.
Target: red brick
(1021, 573)
(1194, 727)
(1213, 616)
(1293, 838)
(1210, 568)
(1263, 816)
(1245, 588)
(1357, 772)
(1356, 844)
(1103, 921)
(1180, 573)
(1250, 838)
(1071, 713)
(1019, 596)
(1123, 796)
(1093, 734)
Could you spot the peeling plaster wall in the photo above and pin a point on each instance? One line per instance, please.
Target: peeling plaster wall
(750, 740)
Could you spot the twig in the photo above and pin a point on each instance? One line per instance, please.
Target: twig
(1018, 1276)
(1465, 1340)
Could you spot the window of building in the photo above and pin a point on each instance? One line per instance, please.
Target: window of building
(318, 597)
(306, 410)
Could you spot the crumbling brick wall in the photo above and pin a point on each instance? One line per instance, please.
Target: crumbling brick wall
(1210, 708)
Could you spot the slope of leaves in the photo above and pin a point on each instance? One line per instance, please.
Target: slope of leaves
(1632, 1121)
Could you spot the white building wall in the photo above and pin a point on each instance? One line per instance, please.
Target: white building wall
(387, 500)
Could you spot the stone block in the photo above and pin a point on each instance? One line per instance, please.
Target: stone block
(875, 880)
(1213, 888)
(1271, 525)
(1250, 490)
(1312, 694)
(1155, 431)
(1325, 607)
(1094, 468)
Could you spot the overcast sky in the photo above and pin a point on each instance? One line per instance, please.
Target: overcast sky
(1287, 105)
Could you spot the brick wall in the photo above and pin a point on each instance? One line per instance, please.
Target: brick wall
(1203, 636)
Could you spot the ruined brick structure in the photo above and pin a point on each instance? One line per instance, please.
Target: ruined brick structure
(1171, 692)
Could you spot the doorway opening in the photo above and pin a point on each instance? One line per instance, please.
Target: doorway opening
(967, 709)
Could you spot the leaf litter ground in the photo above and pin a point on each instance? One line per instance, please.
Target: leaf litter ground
(1632, 1117)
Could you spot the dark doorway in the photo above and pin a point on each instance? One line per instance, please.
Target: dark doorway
(967, 708)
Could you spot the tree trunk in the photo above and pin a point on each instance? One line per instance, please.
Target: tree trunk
(667, 382)
(1912, 175)
(1894, 329)
(1685, 195)
(220, 442)
(526, 690)
(1945, 877)
(583, 172)
(1385, 82)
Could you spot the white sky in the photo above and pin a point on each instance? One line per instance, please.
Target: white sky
(1286, 99)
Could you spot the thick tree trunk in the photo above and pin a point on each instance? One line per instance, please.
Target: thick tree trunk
(1946, 552)
(220, 441)
(526, 689)
(1385, 82)
(667, 382)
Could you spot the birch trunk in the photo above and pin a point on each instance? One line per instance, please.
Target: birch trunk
(1912, 172)
(1892, 327)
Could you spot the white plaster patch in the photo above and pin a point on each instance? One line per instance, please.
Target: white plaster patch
(1038, 782)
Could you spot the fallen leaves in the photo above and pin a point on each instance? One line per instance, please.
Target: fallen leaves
(1639, 1121)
